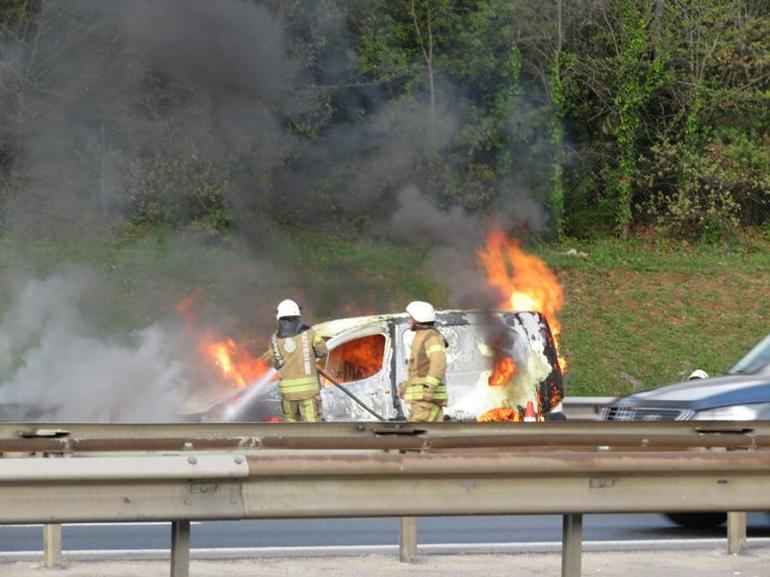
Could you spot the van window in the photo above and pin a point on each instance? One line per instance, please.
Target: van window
(357, 359)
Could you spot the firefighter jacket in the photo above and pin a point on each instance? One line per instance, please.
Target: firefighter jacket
(294, 357)
(426, 376)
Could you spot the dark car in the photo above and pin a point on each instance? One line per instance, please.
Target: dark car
(742, 394)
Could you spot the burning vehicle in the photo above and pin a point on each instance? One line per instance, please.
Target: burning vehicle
(498, 364)
(503, 360)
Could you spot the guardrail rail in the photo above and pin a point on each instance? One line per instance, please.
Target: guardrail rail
(190, 472)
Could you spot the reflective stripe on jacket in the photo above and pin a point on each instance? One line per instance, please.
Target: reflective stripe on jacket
(297, 364)
(426, 376)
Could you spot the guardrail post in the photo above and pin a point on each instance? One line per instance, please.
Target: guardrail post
(51, 545)
(180, 549)
(407, 551)
(571, 545)
(736, 532)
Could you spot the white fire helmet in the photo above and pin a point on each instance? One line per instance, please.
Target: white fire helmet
(287, 308)
(698, 374)
(421, 311)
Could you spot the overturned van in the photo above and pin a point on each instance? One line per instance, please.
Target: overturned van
(368, 356)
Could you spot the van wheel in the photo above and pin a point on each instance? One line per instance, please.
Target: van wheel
(698, 520)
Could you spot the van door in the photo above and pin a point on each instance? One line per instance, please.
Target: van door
(361, 361)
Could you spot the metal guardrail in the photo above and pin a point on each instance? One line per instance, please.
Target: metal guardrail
(353, 485)
(253, 471)
(72, 438)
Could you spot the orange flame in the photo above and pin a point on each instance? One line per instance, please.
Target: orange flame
(512, 414)
(501, 414)
(236, 364)
(524, 281)
(358, 359)
(505, 368)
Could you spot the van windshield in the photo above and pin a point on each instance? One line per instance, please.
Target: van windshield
(755, 360)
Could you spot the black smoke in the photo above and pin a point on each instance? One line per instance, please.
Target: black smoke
(117, 115)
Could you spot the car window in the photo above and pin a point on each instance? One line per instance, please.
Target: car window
(357, 359)
(755, 359)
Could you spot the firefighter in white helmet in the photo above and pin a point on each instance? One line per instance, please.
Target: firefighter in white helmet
(294, 349)
(425, 387)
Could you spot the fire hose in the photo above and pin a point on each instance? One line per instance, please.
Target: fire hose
(344, 389)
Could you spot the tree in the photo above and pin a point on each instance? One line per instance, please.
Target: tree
(711, 154)
(638, 75)
(469, 66)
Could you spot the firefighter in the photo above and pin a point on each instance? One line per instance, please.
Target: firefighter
(293, 351)
(425, 387)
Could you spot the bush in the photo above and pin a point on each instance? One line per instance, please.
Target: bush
(695, 191)
(180, 191)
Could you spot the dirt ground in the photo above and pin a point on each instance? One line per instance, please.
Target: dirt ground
(692, 563)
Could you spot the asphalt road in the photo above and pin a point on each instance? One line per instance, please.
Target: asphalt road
(336, 532)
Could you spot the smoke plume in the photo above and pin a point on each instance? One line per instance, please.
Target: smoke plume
(453, 238)
(117, 115)
(68, 370)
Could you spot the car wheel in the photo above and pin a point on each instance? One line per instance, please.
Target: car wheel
(698, 520)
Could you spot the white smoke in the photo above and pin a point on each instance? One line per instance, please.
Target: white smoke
(61, 368)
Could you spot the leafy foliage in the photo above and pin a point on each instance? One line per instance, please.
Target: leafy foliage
(613, 114)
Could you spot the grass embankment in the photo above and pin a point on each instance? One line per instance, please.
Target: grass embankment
(644, 314)
(636, 315)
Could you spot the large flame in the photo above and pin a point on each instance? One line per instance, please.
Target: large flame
(524, 281)
(505, 368)
(500, 414)
(513, 414)
(236, 364)
(358, 359)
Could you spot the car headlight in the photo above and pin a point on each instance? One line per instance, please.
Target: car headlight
(733, 413)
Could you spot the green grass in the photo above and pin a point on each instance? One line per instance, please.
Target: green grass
(644, 312)
(648, 313)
